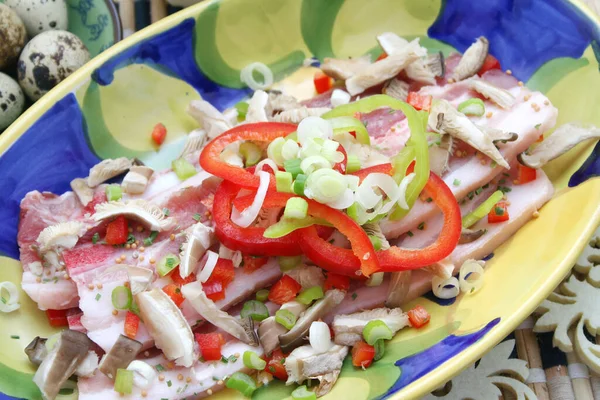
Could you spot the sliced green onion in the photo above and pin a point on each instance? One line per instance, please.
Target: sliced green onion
(121, 298)
(251, 153)
(484, 209)
(293, 166)
(379, 349)
(350, 124)
(473, 106)
(262, 295)
(289, 150)
(309, 295)
(313, 163)
(183, 168)
(242, 383)
(284, 181)
(288, 263)
(167, 264)
(353, 164)
(376, 330)
(113, 192)
(242, 109)
(299, 184)
(253, 361)
(150, 239)
(302, 393)
(376, 242)
(124, 381)
(274, 151)
(255, 310)
(326, 185)
(375, 279)
(296, 207)
(285, 318)
(286, 226)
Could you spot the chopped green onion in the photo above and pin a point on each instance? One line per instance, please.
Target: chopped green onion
(284, 181)
(302, 393)
(95, 238)
(376, 330)
(195, 217)
(379, 349)
(274, 151)
(376, 242)
(150, 239)
(375, 279)
(288, 263)
(113, 192)
(499, 211)
(537, 126)
(253, 361)
(293, 166)
(183, 168)
(309, 295)
(410, 234)
(421, 226)
(473, 106)
(242, 383)
(299, 183)
(456, 182)
(262, 295)
(98, 297)
(296, 207)
(121, 298)
(353, 164)
(167, 264)
(130, 239)
(124, 381)
(354, 296)
(242, 109)
(285, 226)
(255, 310)
(15, 337)
(285, 318)
(483, 209)
(504, 189)
(251, 153)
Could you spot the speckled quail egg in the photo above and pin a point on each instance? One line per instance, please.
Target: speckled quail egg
(12, 100)
(48, 59)
(41, 15)
(12, 36)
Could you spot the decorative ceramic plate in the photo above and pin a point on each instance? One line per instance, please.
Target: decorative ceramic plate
(108, 107)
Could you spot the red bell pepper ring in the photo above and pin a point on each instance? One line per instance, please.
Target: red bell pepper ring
(247, 240)
(211, 162)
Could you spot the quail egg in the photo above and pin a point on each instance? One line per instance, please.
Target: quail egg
(41, 15)
(48, 59)
(12, 100)
(12, 36)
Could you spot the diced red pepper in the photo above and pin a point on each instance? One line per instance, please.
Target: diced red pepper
(57, 318)
(382, 56)
(132, 323)
(99, 197)
(526, 174)
(179, 281)
(214, 291)
(224, 272)
(490, 63)
(159, 133)
(335, 281)
(499, 213)
(362, 355)
(540, 139)
(419, 101)
(252, 263)
(284, 290)
(116, 231)
(275, 365)
(418, 317)
(174, 292)
(322, 82)
(210, 345)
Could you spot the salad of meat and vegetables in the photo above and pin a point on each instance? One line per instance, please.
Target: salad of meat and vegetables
(288, 234)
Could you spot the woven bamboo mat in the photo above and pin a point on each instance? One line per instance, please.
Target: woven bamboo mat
(553, 375)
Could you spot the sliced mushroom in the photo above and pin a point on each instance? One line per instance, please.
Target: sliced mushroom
(439, 155)
(84, 193)
(107, 169)
(498, 135)
(269, 330)
(562, 140)
(279, 102)
(304, 362)
(436, 64)
(63, 235)
(442, 269)
(473, 59)
(211, 119)
(257, 107)
(167, 325)
(139, 278)
(385, 69)
(297, 335)
(136, 180)
(298, 114)
(326, 382)
(61, 362)
(194, 142)
(120, 355)
(397, 89)
(418, 69)
(198, 241)
(344, 69)
(140, 210)
(469, 236)
(348, 329)
(498, 95)
(398, 288)
(88, 365)
(445, 119)
(194, 293)
(36, 350)
(307, 276)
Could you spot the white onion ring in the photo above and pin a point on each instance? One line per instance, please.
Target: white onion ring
(268, 162)
(209, 262)
(246, 76)
(403, 186)
(319, 336)
(143, 374)
(12, 303)
(246, 217)
(472, 267)
(438, 286)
